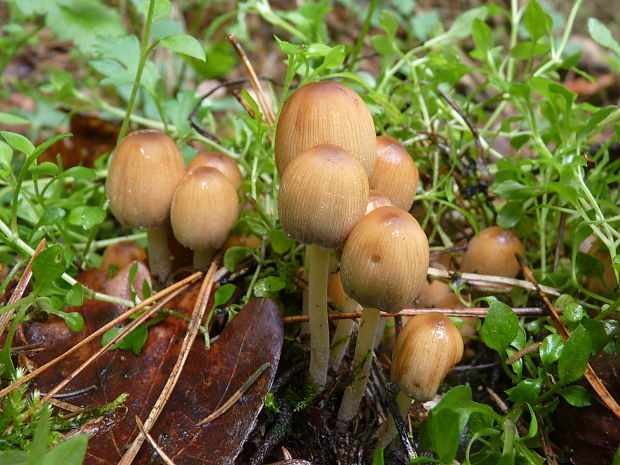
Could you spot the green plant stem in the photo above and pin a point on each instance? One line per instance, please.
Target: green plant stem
(88, 293)
(107, 242)
(362, 35)
(510, 433)
(144, 51)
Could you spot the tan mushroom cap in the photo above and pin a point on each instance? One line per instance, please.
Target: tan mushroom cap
(325, 112)
(323, 195)
(204, 209)
(427, 348)
(385, 260)
(144, 171)
(492, 252)
(376, 200)
(120, 255)
(395, 173)
(220, 161)
(335, 291)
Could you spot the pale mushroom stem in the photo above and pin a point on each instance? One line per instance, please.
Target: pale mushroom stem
(342, 335)
(305, 327)
(318, 261)
(363, 355)
(203, 258)
(380, 331)
(386, 432)
(159, 253)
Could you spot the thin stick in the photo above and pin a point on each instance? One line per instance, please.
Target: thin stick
(192, 330)
(544, 441)
(473, 277)
(235, 397)
(526, 350)
(590, 374)
(20, 288)
(121, 334)
(263, 99)
(150, 439)
(480, 312)
(99, 332)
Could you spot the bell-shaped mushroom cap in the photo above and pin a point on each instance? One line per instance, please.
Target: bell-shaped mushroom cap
(323, 194)
(437, 294)
(395, 173)
(204, 209)
(426, 350)
(144, 170)
(120, 255)
(325, 112)
(221, 162)
(376, 200)
(385, 260)
(493, 253)
(335, 291)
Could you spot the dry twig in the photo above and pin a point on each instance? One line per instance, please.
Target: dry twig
(150, 439)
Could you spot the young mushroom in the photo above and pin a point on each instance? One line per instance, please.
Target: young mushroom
(427, 348)
(144, 171)
(325, 112)
(383, 267)
(205, 207)
(221, 162)
(492, 252)
(344, 328)
(395, 173)
(323, 195)
(120, 254)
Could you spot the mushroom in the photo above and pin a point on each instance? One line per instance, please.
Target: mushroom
(344, 328)
(395, 173)
(325, 112)
(492, 252)
(427, 348)
(144, 170)
(220, 162)
(383, 267)
(205, 207)
(376, 200)
(117, 256)
(323, 194)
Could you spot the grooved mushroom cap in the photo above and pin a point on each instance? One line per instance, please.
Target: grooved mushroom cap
(323, 194)
(395, 173)
(204, 209)
(221, 162)
(385, 260)
(376, 200)
(493, 253)
(144, 170)
(325, 112)
(427, 348)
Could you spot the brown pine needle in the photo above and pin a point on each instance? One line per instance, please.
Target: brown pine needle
(99, 332)
(590, 374)
(121, 334)
(21, 287)
(261, 96)
(235, 397)
(150, 439)
(192, 330)
(526, 350)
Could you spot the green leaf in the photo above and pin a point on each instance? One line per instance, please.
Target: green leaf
(6, 155)
(224, 294)
(577, 396)
(266, 286)
(598, 336)
(14, 457)
(9, 118)
(526, 391)
(574, 312)
(185, 45)
(46, 168)
(575, 355)
(512, 189)
(599, 32)
(161, 9)
(51, 215)
(18, 142)
(444, 434)
(70, 452)
(74, 320)
(565, 191)
(550, 349)
(482, 34)
(80, 172)
(132, 341)
(462, 25)
(86, 216)
(510, 214)
(500, 326)
(49, 265)
(389, 21)
(39, 440)
(526, 50)
(234, 256)
(75, 296)
(280, 243)
(536, 21)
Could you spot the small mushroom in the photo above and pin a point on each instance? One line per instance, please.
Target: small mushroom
(205, 207)
(144, 171)
(221, 162)
(492, 252)
(119, 255)
(345, 327)
(325, 112)
(395, 173)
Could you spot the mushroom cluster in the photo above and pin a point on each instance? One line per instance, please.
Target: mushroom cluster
(148, 187)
